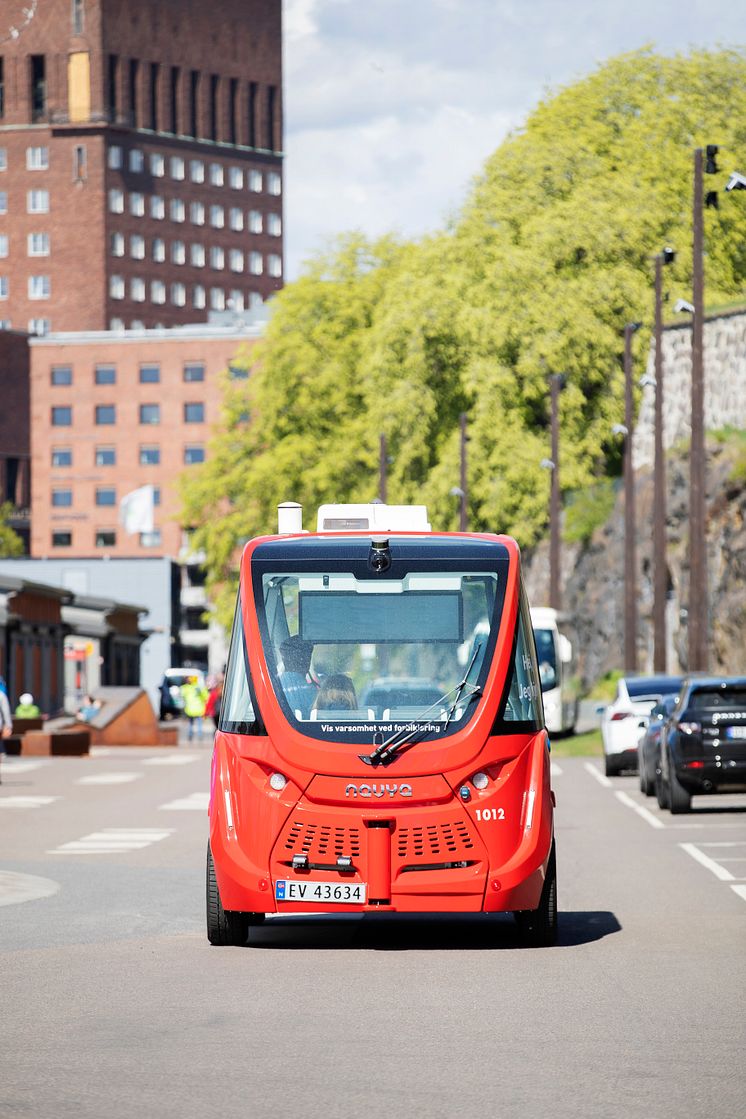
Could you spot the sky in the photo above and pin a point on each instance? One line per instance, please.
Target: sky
(393, 106)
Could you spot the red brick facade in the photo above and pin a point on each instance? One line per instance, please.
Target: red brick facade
(140, 161)
(93, 442)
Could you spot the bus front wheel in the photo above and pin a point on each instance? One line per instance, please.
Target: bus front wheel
(225, 928)
(538, 927)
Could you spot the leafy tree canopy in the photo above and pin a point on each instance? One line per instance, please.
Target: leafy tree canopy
(10, 542)
(549, 257)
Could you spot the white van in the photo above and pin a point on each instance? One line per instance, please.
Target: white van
(556, 650)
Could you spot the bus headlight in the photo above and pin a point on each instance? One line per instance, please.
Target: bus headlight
(480, 780)
(278, 782)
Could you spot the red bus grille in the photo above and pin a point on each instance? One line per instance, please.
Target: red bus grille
(320, 841)
(451, 840)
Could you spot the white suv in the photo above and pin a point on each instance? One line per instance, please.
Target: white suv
(625, 719)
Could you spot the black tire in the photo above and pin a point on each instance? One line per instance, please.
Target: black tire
(661, 790)
(611, 769)
(647, 787)
(679, 800)
(225, 928)
(538, 927)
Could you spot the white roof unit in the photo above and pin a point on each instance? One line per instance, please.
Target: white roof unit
(374, 516)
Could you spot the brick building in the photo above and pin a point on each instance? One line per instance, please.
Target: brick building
(140, 161)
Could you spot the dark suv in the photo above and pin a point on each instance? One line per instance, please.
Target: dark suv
(703, 745)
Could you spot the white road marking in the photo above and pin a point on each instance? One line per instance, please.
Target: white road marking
(596, 772)
(108, 779)
(555, 770)
(112, 840)
(172, 759)
(740, 890)
(197, 802)
(646, 814)
(23, 765)
(15, 888)
(25, 802)
(711, 865)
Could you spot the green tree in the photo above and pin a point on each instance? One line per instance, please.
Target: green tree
(10, 542)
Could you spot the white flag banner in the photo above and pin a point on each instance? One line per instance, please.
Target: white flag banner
(136, 510)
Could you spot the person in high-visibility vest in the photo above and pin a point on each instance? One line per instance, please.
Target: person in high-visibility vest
(195, 700)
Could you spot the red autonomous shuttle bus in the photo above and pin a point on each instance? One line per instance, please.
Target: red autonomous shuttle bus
(381, 745)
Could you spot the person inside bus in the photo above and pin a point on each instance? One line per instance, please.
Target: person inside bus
(336, 693)
(300, 691)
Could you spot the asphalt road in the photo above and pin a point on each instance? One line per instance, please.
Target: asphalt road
(113, 1003)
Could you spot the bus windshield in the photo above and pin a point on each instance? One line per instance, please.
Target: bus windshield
(355, 655)
(547, 657)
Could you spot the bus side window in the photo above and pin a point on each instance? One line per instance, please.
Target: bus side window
(523, 702)
(237, 710)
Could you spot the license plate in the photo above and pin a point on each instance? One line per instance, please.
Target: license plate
(735, 732)
(338, 893)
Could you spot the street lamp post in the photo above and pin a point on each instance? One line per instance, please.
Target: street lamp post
(630, 558)
(660, 569)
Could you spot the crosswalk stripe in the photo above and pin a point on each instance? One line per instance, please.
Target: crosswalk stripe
(112, 840)
(555, 770)
(172, 759)
(23, 765)
(26, 801)
(108, 779)
(197, 802)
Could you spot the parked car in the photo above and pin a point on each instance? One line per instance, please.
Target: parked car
(623, 722)
(172, 702)
(649, 747)
(703, 745)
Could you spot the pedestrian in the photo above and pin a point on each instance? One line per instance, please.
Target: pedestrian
(195, 700)
(6, 719)
(26, 708)
(214, 700)
(88, 708)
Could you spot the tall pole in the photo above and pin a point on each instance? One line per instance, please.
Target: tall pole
(630, 574)
(382, 469)
(697, 661)
(660, 568)
(555, 593)
(463, 524)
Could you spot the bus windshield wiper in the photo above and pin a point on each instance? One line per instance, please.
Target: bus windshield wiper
(388, 750)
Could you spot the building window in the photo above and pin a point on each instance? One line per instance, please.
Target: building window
(155, 81)
(274, 264)
(38, 326)
(150, 456)
(39, 287)
(217, 258)
(150, 413)
(117, 244)
(274, 183)
(2, 87)
(156, 495)
(112, 87)
(62, 499)
(255, 221)
(237, 372)
(115, 157)
(80, 165)
(62, 539)
(193, 101)
(62, 456)
(197, 256)
(197, 213)
(106, 414)
(194, 453)
(137, 204)
(137, 290)
(62, 374)
(37, 202)
(157, 165)
(217, 217)
(178, 252)
(196, 170)
(174, 100)
(274, 225)
(236, 260)
(198, 297)
(177, 209)
(62, 417)
(194, 371)
(217, 299)
(251, 99)
(116, 287)
(194, 413)
(4, 287)
(106, 495)
(236, 300)
(77, 17)
(213, 106)
(157, 291)
(4, 201)
(136, 160)
(235, 178)
(38, 87)
(150, 374)
(106, 456)
(217, 175)
(178, 295)
(159, 250)
(105, 374)
(3, 159)
(137, 246)
(106, 538)
(151, 539)
(116, 324)
(256, 266)
(235, 219)
(37, 159)
(177, 168)
(5, 324)
(157, 207)
(255, 181)
(133, 84)
(116, 201)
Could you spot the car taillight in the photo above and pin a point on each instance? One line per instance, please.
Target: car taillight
(690, 728)
(621, 715)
